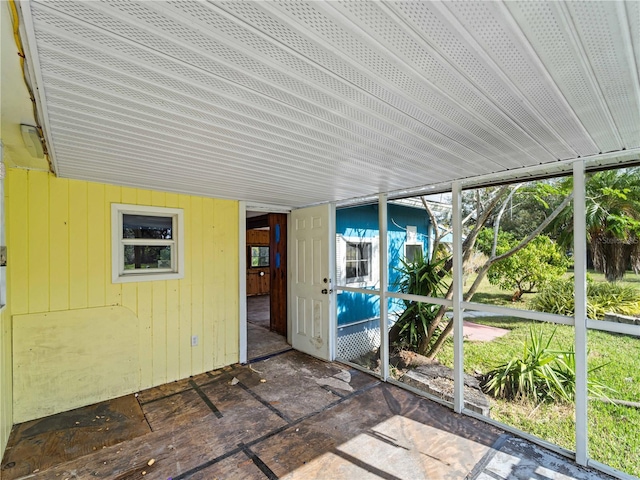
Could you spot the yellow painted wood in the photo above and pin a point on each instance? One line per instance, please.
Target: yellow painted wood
(184, 341)
(208, 273)
(113, 291)
(18, 240)
(78, 246)
(159, 331)
(173, 330)
(143, 197)
(129, 195)
(38, 225)
(70, 232)
(145, 311)
(173, 313)
(6, 380)
(58, 244)
(230, 274)
(197, 288)
(64, 360)
(97, 237)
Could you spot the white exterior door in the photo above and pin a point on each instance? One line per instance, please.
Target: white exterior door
(312, 278)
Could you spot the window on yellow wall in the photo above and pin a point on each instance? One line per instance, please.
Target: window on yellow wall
(147, 243)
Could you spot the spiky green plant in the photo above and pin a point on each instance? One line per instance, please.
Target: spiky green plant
(418, 277)
(541, 373)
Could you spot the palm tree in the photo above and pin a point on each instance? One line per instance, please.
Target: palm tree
(612, 221)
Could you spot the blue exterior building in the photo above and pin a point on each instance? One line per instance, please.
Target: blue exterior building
(357, 254)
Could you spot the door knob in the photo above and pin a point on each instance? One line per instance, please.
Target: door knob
(326, 292)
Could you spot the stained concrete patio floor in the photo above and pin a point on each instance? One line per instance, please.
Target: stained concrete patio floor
(288, 416)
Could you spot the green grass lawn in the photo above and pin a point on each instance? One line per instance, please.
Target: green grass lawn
(613, 429)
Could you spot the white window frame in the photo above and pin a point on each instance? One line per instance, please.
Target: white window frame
(118, 273)
(372, 278)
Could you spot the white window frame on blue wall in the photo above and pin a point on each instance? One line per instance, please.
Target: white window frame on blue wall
(373, 277)
(174, 271)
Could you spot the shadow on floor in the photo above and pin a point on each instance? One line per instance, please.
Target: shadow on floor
(293, 416)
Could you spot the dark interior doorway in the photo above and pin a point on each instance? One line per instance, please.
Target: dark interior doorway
(266, 283)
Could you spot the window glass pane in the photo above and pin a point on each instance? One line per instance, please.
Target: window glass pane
(147, 226)
(142, 257)
(413, 252)
(259, 256)
(357, 246)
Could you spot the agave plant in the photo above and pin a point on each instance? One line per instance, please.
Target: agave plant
(541, 373)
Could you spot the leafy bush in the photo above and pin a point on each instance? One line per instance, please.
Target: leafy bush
(541, 373)
(557, 297)
(537, 263)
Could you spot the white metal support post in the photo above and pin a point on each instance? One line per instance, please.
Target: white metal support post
(384, 281)
(580, 286)
(458, 359)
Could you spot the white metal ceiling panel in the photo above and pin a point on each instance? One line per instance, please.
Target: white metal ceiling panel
(300, 102)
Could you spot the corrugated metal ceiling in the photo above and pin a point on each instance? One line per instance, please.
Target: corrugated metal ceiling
(294, 103)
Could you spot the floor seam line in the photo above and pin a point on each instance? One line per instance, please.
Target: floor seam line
(206, 399)
(257, 461)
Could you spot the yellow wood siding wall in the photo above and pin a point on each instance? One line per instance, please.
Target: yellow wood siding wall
(59, 256)
(6, 372)
(6, 380)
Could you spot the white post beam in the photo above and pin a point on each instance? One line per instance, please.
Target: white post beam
(580, 286)
(384, 285)
(458, 338)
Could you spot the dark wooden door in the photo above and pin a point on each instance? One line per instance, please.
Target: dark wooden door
(278, 271)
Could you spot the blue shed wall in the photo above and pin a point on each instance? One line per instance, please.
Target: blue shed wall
(362, 222)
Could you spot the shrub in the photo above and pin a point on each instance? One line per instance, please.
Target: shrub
(541, 373)
(557, 297)
(538, 262)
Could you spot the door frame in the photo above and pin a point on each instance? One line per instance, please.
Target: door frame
(243, 207)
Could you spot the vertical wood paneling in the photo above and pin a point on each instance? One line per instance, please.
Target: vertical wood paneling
(78, 247)
(38, 225)
(218, 282)
(113, 291)
(197, 291)
(173, 313)
(129, 195)
(18, 241)
(146, 343)
(59, 237)
(97, 237)
(159, 331)
(173, 330)
(230, 273)
(143, 197)
(58, 244)
(210, 317)
(184, 343)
